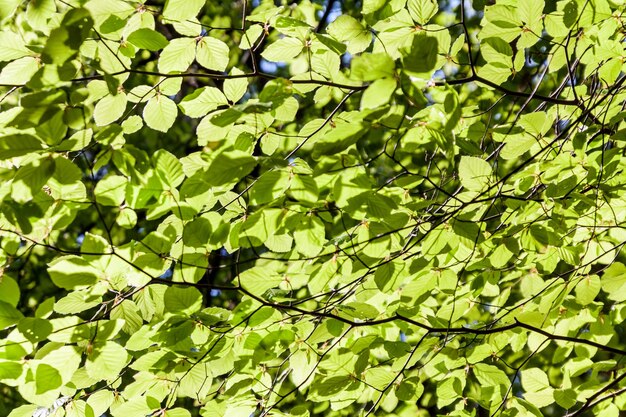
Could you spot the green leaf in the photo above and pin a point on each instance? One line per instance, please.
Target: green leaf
(178, 55)
(9, 290)
(269, 187)
(566, 398)
(250, 36)
(35, 329)
(109, 109)
(229, 167)
(212, 54)
(111, 190)
(181, 10)
(64, 41)
(30, 179)
(196, 382)
(587, 289)
(169, 168)
(47, 378)
(9, 315)
(258, 281)
(342, 135)
(76, 302)
(106, 361)
(283, 50)
(100, 401)
(149, 39)
(613, 282)
(517, 145)
(10, 370)
(497, 73)
(186, 300)
(18, 145)
(235, 88)
(378, 93)
(19, 71)
(422, 10)
(71, 272)
(347, 29)
(14, 47)
(474, 173)
(202, 101)
(491, 376)
(370, 6)
(534, 380)
(24, 410)
(160, 113)
(421, 57)
(177, 412)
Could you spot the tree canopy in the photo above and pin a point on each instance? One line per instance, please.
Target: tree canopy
(312, 208)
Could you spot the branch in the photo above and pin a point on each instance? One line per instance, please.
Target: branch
(324, 19)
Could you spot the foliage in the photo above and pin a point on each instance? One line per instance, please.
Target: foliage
(318, 208)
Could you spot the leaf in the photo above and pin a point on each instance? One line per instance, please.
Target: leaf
(348, 29)
(491, 376)
(565, 398)
(13, 46)
(516, 146)
(530, 12)
(10, 370)
(71, 272)
(106, 361)
(186, 300)
(474, 173)
(534, 380)
(178, 55)
(422, 10)
(109, 109)
(47, 378)
(145, 38)
(202, 101)
(19, 71)
(100, 401)
(133, 124)
(258, 282)
(497, 73)
(9, 290)
(181, 10)
(370, 6)
(212, 54)
(30, 179)
(18, 145)
(235, 88)
(35, 329)
(587, 289)
(160, 113)
(422, 55)
(76, 302)
(283, 50)
(196, 382)
(378, 93)
(339, 138)
(169, 168)
(111, 190)
(64, 41)
(613, 282)
(9, 315)
(177, 412)
(229, 167)
(250, 36)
